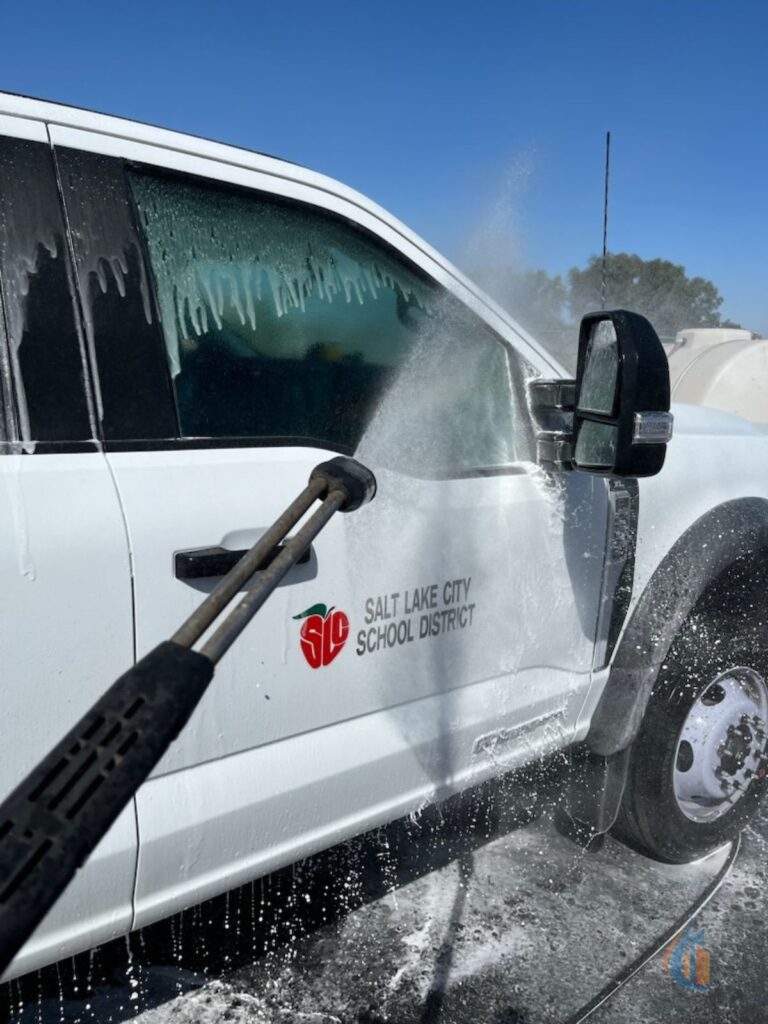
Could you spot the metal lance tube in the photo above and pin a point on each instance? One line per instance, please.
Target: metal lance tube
(231, 584)
(226, 634)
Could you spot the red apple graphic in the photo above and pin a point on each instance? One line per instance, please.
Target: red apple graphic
(324, 632)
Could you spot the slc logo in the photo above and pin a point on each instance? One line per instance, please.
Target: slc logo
(686, 960)
(324, 632)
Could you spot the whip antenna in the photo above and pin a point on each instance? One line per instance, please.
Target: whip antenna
(605, 218)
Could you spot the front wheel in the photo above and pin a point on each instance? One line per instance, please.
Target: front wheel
(698, 766)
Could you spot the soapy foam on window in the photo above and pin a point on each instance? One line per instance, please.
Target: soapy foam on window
(103, 237)
(27, 234)
(217, 255)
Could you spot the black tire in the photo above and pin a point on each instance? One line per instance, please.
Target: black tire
(721, 634)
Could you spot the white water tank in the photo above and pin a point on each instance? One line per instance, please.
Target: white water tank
(721, 368)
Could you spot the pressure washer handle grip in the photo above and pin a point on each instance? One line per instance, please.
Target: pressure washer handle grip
(56, 817)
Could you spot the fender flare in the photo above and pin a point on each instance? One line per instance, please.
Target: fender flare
(724, 535)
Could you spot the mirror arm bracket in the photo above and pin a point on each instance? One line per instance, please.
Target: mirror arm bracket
(549, 396)
(552, 406)
(554, 451)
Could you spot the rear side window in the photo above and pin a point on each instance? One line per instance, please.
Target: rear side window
(134, 394)
(44, 347)
(283, 323)
(6, 399)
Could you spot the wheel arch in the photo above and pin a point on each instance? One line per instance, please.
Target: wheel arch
(705, 553)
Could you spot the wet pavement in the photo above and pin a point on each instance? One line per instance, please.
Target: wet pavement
(474, 912)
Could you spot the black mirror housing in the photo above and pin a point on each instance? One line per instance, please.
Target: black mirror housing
(621, 420)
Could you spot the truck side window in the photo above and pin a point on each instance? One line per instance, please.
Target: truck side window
(135, 400)
(285, 323)
(43, 340)
(6, 400)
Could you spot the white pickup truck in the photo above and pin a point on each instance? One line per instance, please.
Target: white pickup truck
(187, 329)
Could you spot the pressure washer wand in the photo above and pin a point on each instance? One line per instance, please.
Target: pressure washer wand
(54, 819)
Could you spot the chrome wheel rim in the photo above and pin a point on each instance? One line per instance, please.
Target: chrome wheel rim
(722, 744)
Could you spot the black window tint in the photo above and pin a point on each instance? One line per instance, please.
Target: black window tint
(134, 395)
(43, 339)
(6, 401)
(283, 323)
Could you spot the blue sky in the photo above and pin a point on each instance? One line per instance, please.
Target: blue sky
(479, 124)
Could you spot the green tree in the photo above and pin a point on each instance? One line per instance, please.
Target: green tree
(658, 289)
(550, 308)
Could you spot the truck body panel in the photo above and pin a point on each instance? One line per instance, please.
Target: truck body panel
(453, 629)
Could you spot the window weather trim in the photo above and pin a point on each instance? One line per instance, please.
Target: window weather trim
(171, 444)
(8, 422)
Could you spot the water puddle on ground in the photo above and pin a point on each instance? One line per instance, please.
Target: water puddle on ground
(468, 913)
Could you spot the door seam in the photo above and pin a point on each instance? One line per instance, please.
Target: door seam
(132, 579)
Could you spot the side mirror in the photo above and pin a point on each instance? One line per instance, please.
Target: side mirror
(621, 420)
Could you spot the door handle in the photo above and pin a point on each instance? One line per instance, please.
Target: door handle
(202, 563)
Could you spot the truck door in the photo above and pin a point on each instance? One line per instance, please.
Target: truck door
(244, 331)
(66, 624)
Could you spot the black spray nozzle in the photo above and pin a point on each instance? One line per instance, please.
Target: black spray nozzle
(351, 477)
